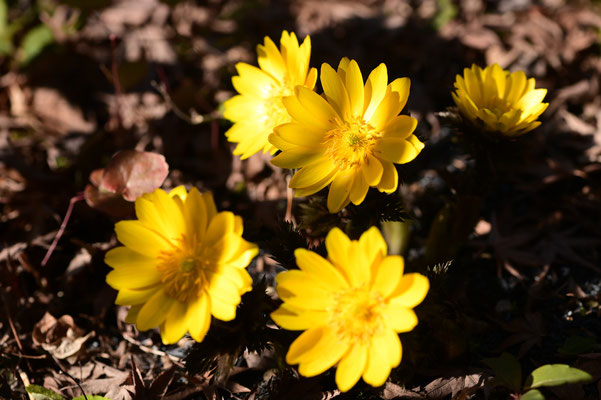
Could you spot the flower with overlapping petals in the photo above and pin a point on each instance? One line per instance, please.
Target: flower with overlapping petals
(499, 101)
(351, 306)
(258, 108)
(181, 262)
(350, 137)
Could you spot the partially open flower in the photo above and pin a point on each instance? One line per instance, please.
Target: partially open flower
(498, 101)
(351, 307)
(258, 108)
(351, 137)
(181, 262)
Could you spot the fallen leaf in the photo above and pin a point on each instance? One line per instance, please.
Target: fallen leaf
(133, 173)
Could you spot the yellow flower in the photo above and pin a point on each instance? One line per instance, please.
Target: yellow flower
(351, 306)
(350, 137)
(258, 108)
(499, 101)
(181, 262)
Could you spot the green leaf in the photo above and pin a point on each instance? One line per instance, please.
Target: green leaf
(91, 398)
(34, 42)
(555, 375)
(533, 394)
(41, 393)
(508, 371)
(447, 11)
(6, 46)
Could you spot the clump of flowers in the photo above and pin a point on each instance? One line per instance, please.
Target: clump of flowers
(349, 138)
(258, 108)
(498, 101)
(351, 307)
(181, 262)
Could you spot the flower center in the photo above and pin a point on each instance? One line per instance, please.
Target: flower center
(183, 271)
(499, 106)
(349, 144)
(357, 314)
(274, 110)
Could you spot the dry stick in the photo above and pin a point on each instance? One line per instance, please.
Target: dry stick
(193, 119)
(289, 199)
(69, 375)
(61, 230)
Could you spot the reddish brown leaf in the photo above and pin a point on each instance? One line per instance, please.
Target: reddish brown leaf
(133, 173)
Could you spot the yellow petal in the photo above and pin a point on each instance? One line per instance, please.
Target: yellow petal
(132, 314)
(222, 224)
(312, 174)
(154, 311)
(388, 109)
(127, 297)
(179, 191)
(357, 269)
(198, 317)
(372, 170)
(401, 86)
(297, 289)
(270, 59)
(338, 197)
(378, 363)
(311, 78)
(242, 107)
(516, 83)
(337, 245)
(320, 270)
(309, 108)
(335, 91)
(300, 135)
(351, 366)
(163, 213)
(196, 216)
(131, 270)
(390, 177)
(222, 287)
(343, 66)
(246, 252)
(175, 326)
(324, 355)
(138, 237)
(295, 158)
(359, 188)
(375, 90)
(395, 150)
(304, 344)
(411, 290)
(399, 318)
(388, 274)
(223, 309)
(298, 319)
(499, 79)
(473, 84)
(401, 126)
(354, 86)
(262, 81)
(531, 99)
(323, 182)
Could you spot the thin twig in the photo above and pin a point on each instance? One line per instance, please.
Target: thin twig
(61, 230)
(150, 350)
(71, 377)
(193, 119)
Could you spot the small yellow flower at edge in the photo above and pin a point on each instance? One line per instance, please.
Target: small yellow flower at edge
(349, 138)
(351, 307)
(181, 262)
(258, 108)
(499, 101)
